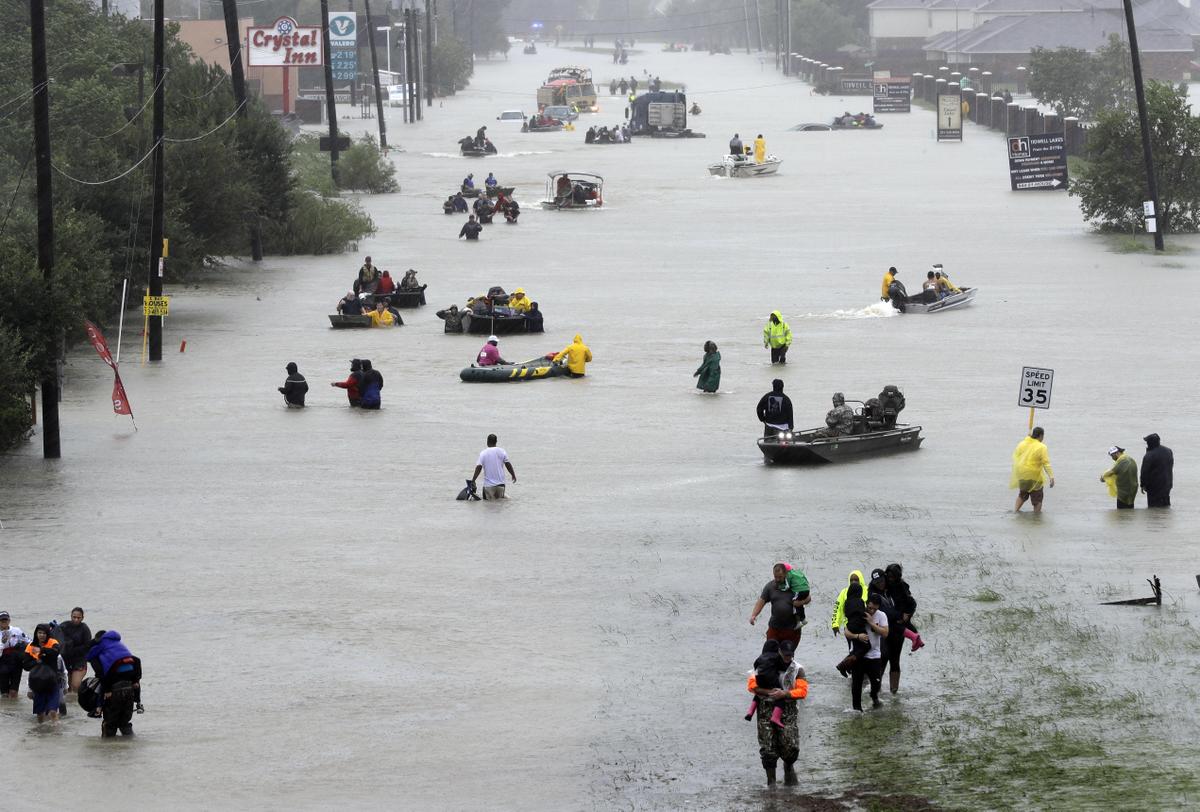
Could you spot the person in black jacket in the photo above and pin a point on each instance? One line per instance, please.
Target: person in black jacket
(1157, 468)
(294, 388)
(775, 410)
(903, 606)
(470, 229)
(76, 639)
(533, 319)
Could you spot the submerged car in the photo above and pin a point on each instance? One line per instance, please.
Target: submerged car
(562, 112)
(512, 117)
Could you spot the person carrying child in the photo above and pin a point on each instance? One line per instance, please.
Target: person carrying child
(778, 738)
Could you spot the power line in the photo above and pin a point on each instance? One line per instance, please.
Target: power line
(12, 201)
(110, 180)
(207, 134)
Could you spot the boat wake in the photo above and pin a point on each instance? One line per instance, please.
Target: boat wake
(878, 310)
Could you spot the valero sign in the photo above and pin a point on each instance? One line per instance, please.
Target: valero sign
(284, 44)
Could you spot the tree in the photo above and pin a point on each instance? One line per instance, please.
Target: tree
(1077, 83)
(1112, 184)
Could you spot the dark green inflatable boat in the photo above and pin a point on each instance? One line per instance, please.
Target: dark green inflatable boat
(536, 370)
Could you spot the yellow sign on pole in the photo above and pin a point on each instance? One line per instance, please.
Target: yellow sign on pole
(156, 305)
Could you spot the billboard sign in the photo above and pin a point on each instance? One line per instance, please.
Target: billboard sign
(949, 113)
(283, 44)
(1038, 162)
(892, 95)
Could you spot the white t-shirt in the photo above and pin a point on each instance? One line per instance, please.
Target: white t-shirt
(880, 619)
(493, 459)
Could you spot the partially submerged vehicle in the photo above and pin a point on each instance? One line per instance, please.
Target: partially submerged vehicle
(569, 85)
(530, 48)
(875, 432)
(537, 369)
(512, 117)
(573, 190)
(811, 127)
(744, 166)
(661, 114)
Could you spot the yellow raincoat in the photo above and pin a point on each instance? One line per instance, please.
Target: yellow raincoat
(519, 301)
(760, 150)
(1122, 479)
(577, 354)
(945, 284)
(1031, 465)
(839, 606)
(384, 319)
(777, 334)
(888, 279)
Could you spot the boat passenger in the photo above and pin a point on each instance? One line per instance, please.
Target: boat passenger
(888, 279)
(775, 410)
(352, 384)
(577, 355)
(386, 284)
(945, 286)
(350, 305)
(470, 229)
(481, 137)
(519, 301)
(460, 203)
(562, 189)
(760, 149)
(469, 182)
(590, 136)
(489, 355)
(840, 419)
(294, 388)
(453, 318)
(491, 181)
(617, 136)
(735, 145)
(626, 132)
(479, 305)
(409, 282)
(695, 111)
(579, 195)
(382, 316)
(533, 319)
(929, 288)
(368, 277)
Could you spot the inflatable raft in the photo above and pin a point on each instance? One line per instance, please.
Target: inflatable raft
(535, 370)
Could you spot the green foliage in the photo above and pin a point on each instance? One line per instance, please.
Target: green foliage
(1113, 185)
(363, 167)
(317, 225)
(16, 380)
(1076, 83)
(451, 66)
(821, 26)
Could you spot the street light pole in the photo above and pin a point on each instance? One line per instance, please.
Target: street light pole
(1144, 121)
(154, 323)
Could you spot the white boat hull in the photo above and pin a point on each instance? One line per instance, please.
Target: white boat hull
(951, 302)
(731, 167)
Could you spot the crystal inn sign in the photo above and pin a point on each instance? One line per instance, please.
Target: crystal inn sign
(284, 44)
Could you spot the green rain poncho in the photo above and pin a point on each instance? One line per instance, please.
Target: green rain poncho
(1122, 479)
(709, 373)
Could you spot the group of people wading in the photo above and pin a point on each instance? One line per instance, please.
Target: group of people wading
(873, 616)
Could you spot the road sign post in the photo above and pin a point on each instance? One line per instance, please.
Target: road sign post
(1034, 391)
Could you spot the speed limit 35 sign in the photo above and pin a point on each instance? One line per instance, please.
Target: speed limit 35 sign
(1036, 384)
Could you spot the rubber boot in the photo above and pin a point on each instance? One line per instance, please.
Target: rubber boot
(770, 770)
(777, 716)
(753, 708)
(894, 680)
(789, 774)
(917, 644)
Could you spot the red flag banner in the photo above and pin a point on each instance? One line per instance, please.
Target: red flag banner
(119, 400)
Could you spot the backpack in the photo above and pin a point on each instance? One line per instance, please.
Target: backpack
(43, 678)
(89, 694)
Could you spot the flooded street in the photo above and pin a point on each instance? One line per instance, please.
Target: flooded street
(321, 623)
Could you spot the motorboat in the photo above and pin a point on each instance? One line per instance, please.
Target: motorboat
(341, 321)
(548, 126)
(400, 297)
(813, 446)
(840, 124)
(536, 370)
(744, 166)
(470, 150)
(927, 302)
(874, 431)
(573, 190)
(530, 49)
(495, 323)
(492, 191)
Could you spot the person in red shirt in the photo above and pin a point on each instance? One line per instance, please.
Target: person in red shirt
(386, 284)
(352, 384)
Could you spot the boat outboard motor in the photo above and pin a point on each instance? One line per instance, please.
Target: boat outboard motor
(891, 400)
(898, 295)
(497, 295)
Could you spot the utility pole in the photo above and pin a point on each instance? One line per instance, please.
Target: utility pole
(1144, 120)
(417, 71)
(154, 323)
(410, 51)
(746, 17)
(233, 40)
(51, 443)
(374, 75)
(758, 19)
(330, 103)
(430, 11)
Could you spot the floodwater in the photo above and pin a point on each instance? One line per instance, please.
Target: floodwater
(321, 623)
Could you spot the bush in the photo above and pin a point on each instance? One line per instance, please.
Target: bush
(317, 225)
(16, 382)
(451, 66)
(364, 167)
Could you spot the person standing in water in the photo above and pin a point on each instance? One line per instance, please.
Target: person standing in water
(1030, 460)
(777, 335)
(577, 355)
(120, 675)
(1158, 468)
(709, 373)
(294, 388)
(778, 742)
(492, 462)
(870, 664)
(372, 386)
(1122, 478)
(77, 639)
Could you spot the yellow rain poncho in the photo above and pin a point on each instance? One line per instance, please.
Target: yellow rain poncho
(577, 354)
(839, 606)
(519, 301)
(1031, 465)
(888, 279)
(760, 150)
(1122, 479)
(777, 334)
